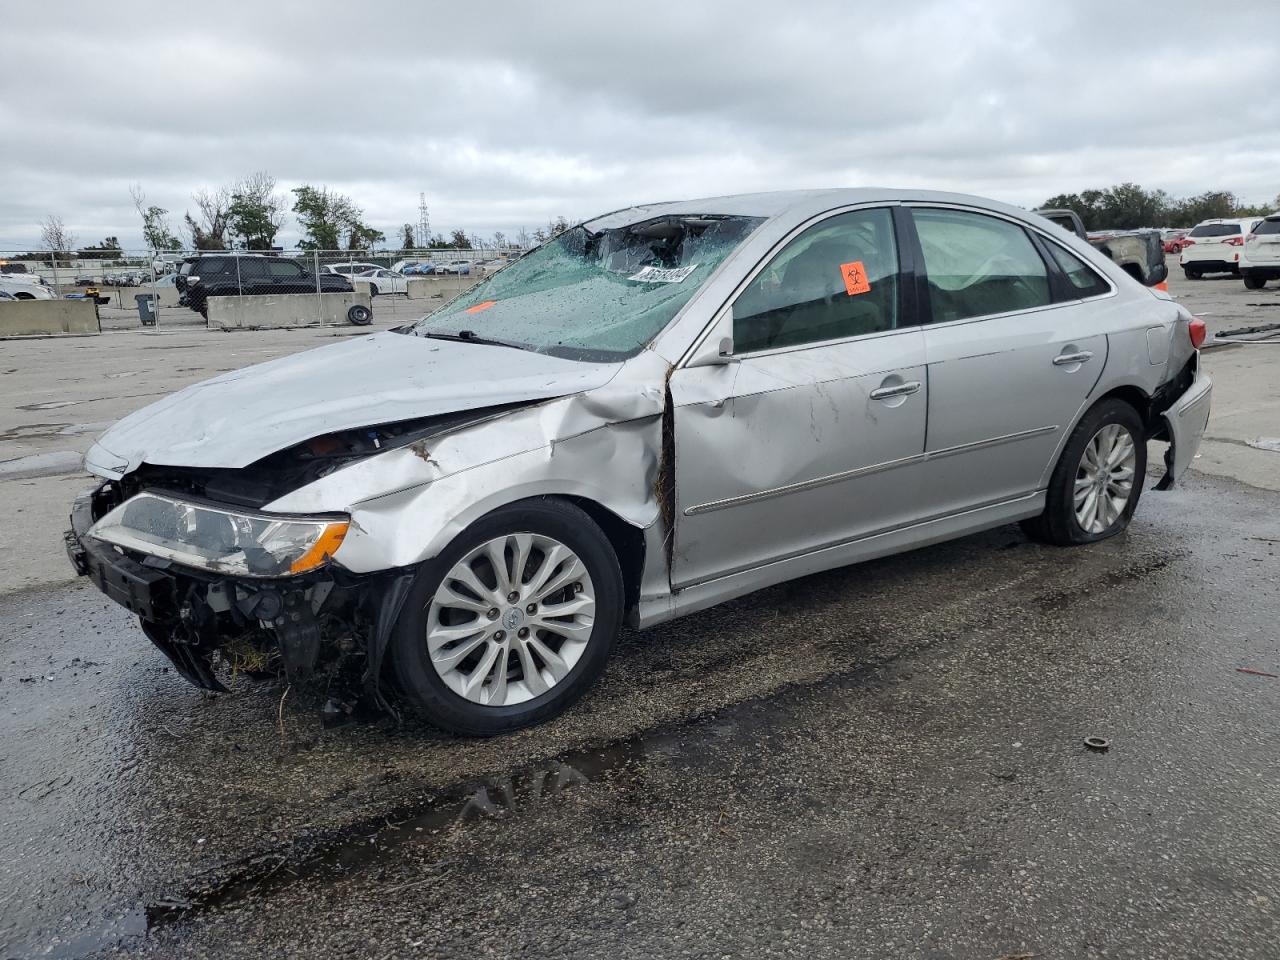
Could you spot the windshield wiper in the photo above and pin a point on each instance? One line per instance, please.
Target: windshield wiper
(470, 336)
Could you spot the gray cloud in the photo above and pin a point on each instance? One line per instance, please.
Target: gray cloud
(509, 114)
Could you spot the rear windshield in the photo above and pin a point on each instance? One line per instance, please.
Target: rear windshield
(1271, 225)
(1216, 230)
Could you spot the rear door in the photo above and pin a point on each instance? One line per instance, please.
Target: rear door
(287, 277)
(1010, 350)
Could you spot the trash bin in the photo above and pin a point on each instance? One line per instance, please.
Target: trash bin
(147, 308)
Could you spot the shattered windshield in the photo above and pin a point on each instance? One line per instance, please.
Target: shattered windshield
(594, 296)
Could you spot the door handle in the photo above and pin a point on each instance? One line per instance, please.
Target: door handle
(1063, 359)
(901, 390)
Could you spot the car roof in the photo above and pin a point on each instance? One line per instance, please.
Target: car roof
(793, 202)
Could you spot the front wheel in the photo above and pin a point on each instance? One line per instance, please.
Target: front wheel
(512, 622)
(1096, 484)
(1191, 273)
(1254, 282)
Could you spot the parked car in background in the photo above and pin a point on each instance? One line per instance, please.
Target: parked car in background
(25, 289)
(606, 431)
(1173, 240)
(1213, 246)
(409, 266)
(420, 269)
(350, 269)
(454, 266)
(229, 275)
(382, 281)
(1138, 252)
(1260, 255)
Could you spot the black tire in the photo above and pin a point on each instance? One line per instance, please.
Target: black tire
(1058, 524)
(360, 315)
(1191, 273)
(424, 689)
(1254, 282)
(24, 296)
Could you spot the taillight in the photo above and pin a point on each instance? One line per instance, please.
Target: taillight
(1234, 241)
(1196, 330)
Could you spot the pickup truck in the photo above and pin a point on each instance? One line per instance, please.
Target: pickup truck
(1140, 253)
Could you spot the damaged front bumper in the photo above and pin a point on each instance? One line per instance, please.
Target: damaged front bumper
(1185, 422)
(324, 618)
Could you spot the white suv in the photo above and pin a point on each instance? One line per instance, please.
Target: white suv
(1260, 255)
(1214, 247)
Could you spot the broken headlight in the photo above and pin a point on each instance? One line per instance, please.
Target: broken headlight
(238, 543)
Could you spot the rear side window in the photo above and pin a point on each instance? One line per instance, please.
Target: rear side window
(979, 265)
(284, 268)
(1084, 280)
(1268, 226)
(1216, 230)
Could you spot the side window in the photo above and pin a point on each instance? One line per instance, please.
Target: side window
(285, 269)
(837, 279)
(1082, 278)
(247, 268)
(979, 265)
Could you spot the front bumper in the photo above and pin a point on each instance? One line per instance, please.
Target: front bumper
(323, 616)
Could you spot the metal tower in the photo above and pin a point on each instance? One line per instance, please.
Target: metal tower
(424, 223)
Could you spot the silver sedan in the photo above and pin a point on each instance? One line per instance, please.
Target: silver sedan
(659, 410)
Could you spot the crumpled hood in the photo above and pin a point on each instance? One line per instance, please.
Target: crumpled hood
(242, 416)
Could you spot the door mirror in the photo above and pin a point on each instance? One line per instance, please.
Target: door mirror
(725, 350)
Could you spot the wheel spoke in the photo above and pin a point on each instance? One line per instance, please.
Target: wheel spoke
(571, 571)
(446, 596)
(446, 660)
(497, 690)
(439, 635)
(556, 665)
(551, 559)
(464, 575)
(532, 676)
(473, 682)
(496, 550)
(579, 605)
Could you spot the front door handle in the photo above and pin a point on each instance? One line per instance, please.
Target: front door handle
(1065, 359)
(901, 390)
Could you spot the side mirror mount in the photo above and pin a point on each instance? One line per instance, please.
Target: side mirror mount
(725, 351)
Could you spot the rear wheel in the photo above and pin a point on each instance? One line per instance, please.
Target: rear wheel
(1191, 273)
(1254, 282)
(512, 622)
(1096, 484)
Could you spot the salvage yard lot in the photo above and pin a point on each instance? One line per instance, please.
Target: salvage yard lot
(895, 748)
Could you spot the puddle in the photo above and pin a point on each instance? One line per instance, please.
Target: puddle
(343, 854)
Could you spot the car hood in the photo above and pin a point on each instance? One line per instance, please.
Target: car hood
(242, 416)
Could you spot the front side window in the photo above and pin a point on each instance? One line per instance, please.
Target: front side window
(979, 265)
(598, 296)
(837, 279)
(1268, 226)
(1082, 278)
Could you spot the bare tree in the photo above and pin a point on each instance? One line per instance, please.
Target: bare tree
(523, 240)
(55, 236)
(209, 232)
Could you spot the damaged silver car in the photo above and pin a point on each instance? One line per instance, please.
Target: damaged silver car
(659, 410)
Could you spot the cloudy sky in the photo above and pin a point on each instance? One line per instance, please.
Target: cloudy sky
(507, 114)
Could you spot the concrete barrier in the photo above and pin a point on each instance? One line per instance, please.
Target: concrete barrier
(47, 318)
(446, 287)
(282, 310)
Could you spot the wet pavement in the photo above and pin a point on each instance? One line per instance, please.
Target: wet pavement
(885, 760)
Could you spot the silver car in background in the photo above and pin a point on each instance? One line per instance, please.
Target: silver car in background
(659, 410)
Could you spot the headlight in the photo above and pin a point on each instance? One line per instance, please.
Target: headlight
(238, 543)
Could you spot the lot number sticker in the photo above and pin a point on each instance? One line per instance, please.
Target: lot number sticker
(855, 278)
(661, 275)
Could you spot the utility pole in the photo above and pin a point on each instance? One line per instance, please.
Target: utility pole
(424, 223)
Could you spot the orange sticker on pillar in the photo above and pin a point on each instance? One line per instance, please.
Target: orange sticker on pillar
(855, 278)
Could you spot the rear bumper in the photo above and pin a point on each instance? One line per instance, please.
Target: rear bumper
(1185, 422)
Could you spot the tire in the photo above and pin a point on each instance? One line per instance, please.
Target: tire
(1191, 273)
(484, 641)
(360, 315)
(1254, 282)
(1059, 523)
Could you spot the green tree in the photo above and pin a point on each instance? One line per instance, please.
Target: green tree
(256, 212)
(458, 240)
(328, 217)
(155, 222)
(108, 249)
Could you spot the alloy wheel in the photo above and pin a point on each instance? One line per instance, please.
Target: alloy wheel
(510, 619)
(1105, 478)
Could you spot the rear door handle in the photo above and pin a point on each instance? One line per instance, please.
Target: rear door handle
(901, 390)
(1063, 359)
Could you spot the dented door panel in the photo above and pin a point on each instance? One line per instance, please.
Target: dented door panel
(788, 452)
